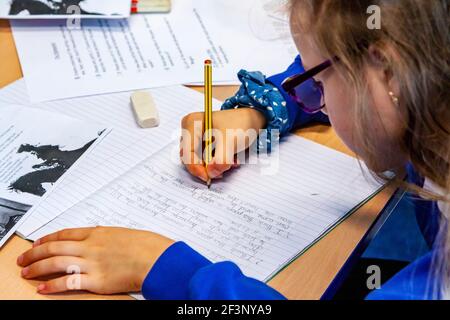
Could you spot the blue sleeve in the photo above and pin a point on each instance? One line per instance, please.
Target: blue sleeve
(183, 274)
(296, 117)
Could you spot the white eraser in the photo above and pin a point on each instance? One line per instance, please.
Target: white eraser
(145, 109)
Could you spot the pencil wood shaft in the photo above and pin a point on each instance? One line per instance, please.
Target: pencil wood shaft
(208, 115)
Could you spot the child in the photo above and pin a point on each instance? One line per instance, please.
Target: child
(386, 93)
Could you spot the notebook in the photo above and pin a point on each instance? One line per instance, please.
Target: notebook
(261, 216)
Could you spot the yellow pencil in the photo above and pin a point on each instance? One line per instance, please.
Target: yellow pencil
(208, 115)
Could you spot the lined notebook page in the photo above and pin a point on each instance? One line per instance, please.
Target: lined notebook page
(257, 220)
(123, 148)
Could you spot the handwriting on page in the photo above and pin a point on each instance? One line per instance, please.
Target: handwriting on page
(168, 198)
(259, 222)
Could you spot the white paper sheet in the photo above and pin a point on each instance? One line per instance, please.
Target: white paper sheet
(123, 148)
(153, 50)
(58, 9)
(37, 149)
(260, 221)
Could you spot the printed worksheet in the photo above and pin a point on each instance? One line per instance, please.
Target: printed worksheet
(58, 9)
(153, 50)
(36, 149)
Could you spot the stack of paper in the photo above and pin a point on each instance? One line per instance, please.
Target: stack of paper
(153, 50)
(125, 146)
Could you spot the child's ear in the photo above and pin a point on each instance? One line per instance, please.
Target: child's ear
(382, 59)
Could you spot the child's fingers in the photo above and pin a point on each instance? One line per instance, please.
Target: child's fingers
(223, 158)
(215, 170)
(54, 265)
(224, 150)
(190, 157)
(236, 163)
(190, 153)
(65, 283)
(197, 171)
(76, 234)
(190, 148)
(50, 249)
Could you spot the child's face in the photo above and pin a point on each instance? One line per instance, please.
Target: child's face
(386, 131)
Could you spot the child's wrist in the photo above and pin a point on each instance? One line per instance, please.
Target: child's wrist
(153, 250)
(256, 117)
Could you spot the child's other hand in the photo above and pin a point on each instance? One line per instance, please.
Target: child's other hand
(226, 145)
(109, 260)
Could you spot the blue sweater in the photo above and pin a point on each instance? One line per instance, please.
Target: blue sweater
(182, 273)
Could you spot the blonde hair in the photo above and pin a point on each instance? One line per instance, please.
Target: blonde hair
(414, 40)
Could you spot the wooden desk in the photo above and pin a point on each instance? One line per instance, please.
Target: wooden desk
(306, 278)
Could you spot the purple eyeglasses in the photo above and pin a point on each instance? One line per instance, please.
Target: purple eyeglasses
(306, 91)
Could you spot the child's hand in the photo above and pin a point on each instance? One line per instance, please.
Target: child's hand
(109, 260)
(226, 146)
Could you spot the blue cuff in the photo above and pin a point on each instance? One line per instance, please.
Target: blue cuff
(225, 281)
(170, 276)
(264, 97)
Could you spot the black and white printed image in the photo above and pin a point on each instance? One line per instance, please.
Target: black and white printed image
(61, 8)
(10, 214)
(39, 7)
(37, 148)
(55, 162)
